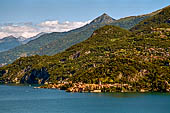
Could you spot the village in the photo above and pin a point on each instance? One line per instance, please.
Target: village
(92, 88)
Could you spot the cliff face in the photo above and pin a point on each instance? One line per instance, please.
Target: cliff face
(36, 77)
(26, 74)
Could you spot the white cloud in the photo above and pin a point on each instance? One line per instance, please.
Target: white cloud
(28, 29)
(55, 26)
(3, 34)
(18, 30)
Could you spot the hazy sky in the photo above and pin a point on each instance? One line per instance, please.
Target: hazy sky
(17, 13)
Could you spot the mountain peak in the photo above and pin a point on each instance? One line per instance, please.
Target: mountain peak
(9, 37)
(104, 18)
(21, 38)
(104, 14)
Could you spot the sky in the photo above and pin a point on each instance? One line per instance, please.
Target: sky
(30, 17)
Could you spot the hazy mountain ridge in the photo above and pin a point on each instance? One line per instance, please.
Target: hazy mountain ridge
(11, 42)
(33, 38)
(8, 43)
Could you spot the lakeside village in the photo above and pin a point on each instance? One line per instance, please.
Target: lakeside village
(94, 88)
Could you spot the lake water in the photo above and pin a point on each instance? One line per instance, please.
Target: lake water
(25, 99)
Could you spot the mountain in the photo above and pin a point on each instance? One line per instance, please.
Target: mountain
(32, 38)
(105, 19)
(38, 64)
(131, 21)
(111, 55)
(21, 39)
(8, 43)
(52, 43)
(160, 20)
(11, 42)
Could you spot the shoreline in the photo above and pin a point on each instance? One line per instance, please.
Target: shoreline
(89, 88)
(97, 88)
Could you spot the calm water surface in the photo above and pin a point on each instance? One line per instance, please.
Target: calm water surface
(25, 99)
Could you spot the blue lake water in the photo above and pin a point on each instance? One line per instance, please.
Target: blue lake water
(25, 99)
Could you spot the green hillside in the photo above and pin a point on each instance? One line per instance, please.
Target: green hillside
(52, 43)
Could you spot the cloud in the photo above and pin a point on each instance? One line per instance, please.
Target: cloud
(29, 29)
(55, 26)
(18, 30)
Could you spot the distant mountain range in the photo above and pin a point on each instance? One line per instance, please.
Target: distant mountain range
(11, 42)
(52, 43)
(8, 43)
(26, 40)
